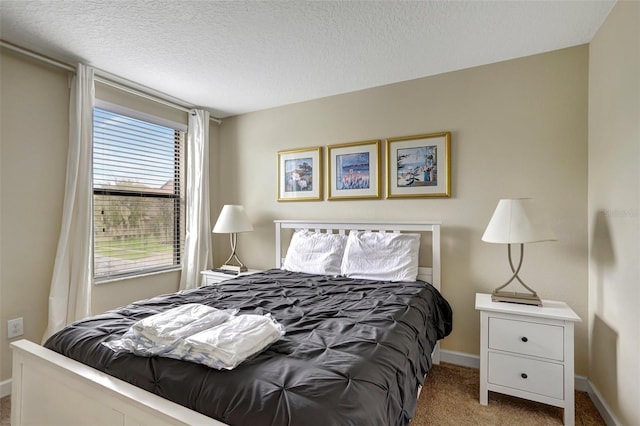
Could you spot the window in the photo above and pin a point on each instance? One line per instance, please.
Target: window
(137, 189)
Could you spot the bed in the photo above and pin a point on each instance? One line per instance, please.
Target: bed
(355, 351)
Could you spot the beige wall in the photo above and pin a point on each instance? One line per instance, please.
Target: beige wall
(34, 136)
(614, 211)
(519, 129)
(34, 140)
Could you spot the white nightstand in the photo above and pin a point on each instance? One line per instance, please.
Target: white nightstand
(527, 351)
(215, 277)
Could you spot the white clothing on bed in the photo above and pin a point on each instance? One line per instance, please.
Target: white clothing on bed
(233, 341)
(160, 333)
(201, 334)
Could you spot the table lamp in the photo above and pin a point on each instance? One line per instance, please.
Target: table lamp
(232, 220)
(516, 221)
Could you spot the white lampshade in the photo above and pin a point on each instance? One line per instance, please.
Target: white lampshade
(232, 219)
(517, 221)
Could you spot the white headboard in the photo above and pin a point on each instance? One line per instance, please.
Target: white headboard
(430, 274)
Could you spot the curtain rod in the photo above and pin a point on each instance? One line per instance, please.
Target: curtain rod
(37, 56)
(112, 80)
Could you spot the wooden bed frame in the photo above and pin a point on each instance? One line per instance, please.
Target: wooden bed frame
(49, 388)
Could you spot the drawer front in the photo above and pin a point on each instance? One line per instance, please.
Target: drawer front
(529, 375)
(209, 280)
(528, 338)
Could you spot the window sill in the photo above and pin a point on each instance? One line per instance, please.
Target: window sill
(109, 280)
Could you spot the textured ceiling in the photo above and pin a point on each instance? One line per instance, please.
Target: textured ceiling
(233, 57)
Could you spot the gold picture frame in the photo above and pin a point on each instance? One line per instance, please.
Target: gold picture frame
(419, 166)
(354, 171)
(300, 174)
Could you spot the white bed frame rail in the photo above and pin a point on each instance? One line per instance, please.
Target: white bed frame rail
(51, 389)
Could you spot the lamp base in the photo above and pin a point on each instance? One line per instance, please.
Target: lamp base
(513, 297)
(234, 268)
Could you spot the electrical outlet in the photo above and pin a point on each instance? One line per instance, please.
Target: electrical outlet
(15, 328)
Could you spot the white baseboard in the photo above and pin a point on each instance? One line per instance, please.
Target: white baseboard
(604, 410)
(582, 383)
(5, 388)
(460, 358)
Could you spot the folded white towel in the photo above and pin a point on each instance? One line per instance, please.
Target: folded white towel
(198, 333)
(232, 342)
(161, 333)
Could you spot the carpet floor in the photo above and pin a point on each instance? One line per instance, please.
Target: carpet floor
(450, 397)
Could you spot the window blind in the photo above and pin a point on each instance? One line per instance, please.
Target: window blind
(137, 194)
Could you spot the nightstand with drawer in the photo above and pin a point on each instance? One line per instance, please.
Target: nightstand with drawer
(527, 351)
(216, 277)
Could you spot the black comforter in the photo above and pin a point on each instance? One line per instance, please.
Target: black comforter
(354, 351)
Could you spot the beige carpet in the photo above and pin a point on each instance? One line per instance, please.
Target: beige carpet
(450, 397)
(5, 411)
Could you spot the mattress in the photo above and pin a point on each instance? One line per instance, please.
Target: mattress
(354, 352)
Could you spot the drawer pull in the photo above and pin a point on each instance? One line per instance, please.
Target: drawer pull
(524, 375)
(524, 339)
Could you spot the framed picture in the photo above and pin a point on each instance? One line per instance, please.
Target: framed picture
(354, 170)
(300, 174)
(419, 166)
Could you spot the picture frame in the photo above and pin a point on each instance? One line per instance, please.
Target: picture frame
(354, 171)
(419, 166)
(300, 174)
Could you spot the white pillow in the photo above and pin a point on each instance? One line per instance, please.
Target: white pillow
(381, 256)
(315, 253)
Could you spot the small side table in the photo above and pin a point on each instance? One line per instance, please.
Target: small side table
(215, 277)
(527, 351)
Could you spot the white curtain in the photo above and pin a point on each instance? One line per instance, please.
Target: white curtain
(70, 293)
(197, 245)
